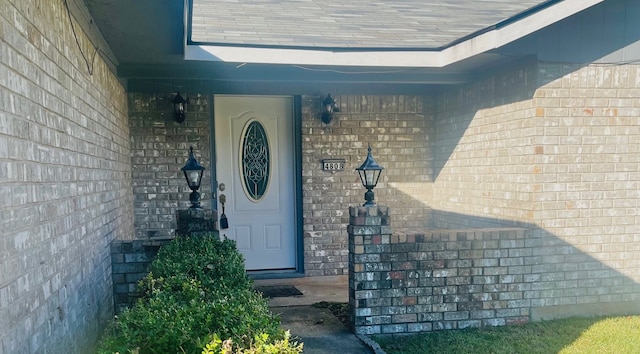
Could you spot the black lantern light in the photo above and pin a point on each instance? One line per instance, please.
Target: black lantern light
(369, 173)
(328, 107)
(193, 172)
(179, 107)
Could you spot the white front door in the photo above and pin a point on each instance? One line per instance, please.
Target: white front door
(255, 172)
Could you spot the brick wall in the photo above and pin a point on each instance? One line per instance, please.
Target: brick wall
(65, 182)
(484, 153)
(399, 132)
(553, 146)
(159, 149)
(587, 187)
(422, 281)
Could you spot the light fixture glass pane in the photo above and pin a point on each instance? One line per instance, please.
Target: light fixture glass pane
(328, 108)
(369, 176)
(193, 177)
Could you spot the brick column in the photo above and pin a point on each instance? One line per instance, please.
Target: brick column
(369, 239)
(196, 221)
(130, 261)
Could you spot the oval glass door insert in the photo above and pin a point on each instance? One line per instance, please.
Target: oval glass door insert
(255, 161)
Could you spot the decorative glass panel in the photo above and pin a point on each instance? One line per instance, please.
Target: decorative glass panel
(255, 163)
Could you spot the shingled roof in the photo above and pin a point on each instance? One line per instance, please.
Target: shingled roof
(393, 24)
(365, 33)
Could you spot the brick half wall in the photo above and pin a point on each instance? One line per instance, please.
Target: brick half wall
(130, 263)
(454, 279)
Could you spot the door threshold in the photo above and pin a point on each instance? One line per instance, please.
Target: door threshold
(274, 274)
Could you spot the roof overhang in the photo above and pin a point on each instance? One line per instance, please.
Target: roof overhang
(481, 42)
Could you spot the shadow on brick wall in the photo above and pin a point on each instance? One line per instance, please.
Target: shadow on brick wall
(599, 272)
(439, 279)
(591, 37)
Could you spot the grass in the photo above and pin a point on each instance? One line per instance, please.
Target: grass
(567, 336)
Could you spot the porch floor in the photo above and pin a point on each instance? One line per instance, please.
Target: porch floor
(314, 289)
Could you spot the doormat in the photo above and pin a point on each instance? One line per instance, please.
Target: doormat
(278, 291)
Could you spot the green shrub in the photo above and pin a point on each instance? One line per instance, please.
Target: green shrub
(216, 264)
(197, 289)
(260, 345)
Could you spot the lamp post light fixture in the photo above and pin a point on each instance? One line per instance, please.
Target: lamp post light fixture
(179, 107)
(369, 173)
(193, 172)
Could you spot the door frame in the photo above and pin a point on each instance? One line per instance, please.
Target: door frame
(297, 169)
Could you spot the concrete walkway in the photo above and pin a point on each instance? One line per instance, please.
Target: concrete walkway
(318, 328)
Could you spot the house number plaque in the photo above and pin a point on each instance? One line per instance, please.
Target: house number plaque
(333, 164)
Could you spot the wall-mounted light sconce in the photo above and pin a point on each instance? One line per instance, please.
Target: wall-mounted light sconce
(193, 172)
(179, 107)
(328, 108)
(369, 173)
